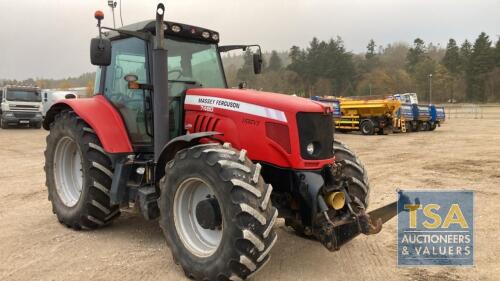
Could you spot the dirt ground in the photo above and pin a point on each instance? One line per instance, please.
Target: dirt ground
(462, 154)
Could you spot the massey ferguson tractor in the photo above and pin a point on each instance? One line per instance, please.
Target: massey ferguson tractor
(216, 166)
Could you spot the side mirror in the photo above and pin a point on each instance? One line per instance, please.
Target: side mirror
(100, 51)
(257, 63)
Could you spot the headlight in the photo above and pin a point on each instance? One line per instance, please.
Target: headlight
(205, 34)
(9, 114)
(310, 148)
(176, 28)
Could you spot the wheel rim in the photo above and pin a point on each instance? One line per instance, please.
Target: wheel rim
(366, 128)
(199, 241)
(68, 172)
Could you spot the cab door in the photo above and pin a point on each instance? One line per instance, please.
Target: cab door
(129, 56)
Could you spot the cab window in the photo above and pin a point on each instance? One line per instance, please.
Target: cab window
(129, 57)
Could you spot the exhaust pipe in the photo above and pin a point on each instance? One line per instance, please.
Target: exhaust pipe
(160, 86)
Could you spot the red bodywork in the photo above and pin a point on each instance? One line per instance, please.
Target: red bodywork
(104, 119)
(242, 115)
(262, 123)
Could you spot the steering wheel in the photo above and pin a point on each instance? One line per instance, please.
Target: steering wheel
(173, 71)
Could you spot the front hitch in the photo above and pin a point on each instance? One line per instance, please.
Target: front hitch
(333, 234)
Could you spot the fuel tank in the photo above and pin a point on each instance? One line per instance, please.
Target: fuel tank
(265, 124)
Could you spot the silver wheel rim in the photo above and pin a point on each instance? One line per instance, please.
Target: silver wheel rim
(365, 128)
(199, 241)
(68, 172)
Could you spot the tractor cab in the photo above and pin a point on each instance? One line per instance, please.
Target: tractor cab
(194, 61)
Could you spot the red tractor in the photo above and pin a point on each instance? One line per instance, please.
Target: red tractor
(215, 165)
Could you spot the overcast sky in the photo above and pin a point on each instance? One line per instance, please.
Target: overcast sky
(50, 38)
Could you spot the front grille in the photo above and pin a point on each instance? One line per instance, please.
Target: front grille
(24, 115)
(21, 106)
(317, 128)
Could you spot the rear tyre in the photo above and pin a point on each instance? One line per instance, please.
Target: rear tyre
(433, 127)
(216, 213)
(423, 126)
(427, 126)
(367, 127)
(78, 174)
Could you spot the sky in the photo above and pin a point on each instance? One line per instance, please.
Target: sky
(50, 38)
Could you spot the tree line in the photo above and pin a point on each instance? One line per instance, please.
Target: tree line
(461, 72)
(466, 72)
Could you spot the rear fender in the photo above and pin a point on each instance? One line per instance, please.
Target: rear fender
(101, 116)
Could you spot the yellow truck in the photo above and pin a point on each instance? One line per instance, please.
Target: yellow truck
(369, 115)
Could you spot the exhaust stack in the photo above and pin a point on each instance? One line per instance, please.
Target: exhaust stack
(160, 86)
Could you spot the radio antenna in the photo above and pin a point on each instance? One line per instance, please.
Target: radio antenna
(112, 5)
(121, 19)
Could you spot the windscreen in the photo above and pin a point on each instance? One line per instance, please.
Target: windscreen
(194, 61)
(23, 95)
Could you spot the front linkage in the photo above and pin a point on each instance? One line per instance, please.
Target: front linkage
(337, 198)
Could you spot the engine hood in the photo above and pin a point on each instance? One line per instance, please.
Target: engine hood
(271, 102)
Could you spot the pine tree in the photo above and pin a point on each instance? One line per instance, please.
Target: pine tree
(275, 63)
(245, 73)
(370, 53)
(497, 53)
(480, 64)
(451, 59)
(465, 54)
(415, 55)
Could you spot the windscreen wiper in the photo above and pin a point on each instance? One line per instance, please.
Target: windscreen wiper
(190, 82)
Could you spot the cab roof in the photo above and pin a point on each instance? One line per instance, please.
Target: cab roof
(181, 30)
(22, 87)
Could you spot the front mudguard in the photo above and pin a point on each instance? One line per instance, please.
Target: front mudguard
(173, 146)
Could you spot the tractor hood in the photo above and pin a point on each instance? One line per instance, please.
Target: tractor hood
(264, 124)
(275, 106)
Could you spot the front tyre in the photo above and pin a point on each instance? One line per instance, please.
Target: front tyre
(3, 124)
(78, 174)
(350, 168)
(37, 125)
(216, 213)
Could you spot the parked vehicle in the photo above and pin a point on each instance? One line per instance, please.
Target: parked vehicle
(332, 102)
(213, 164)
(52, 96)
(21, 106)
